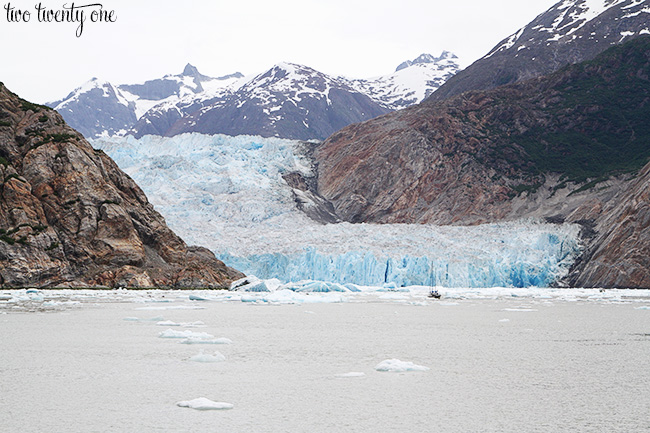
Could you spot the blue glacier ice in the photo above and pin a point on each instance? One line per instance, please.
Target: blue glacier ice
(228, 194)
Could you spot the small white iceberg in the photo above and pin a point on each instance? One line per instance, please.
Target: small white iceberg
(171, 333)
(351, 374)
(397, 366)
(195, 340)
(167, 323)
(203, 403)
(207, 358)
(183, 324)
(249, 284)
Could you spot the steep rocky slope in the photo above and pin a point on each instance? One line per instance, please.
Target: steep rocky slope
(619, 256)
(521, 150)
(70, 217)
(570, 32)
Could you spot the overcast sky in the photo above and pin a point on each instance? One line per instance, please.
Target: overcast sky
(151, 38)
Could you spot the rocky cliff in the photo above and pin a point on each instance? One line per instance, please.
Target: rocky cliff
(567, 146)
(70, 217)
(619, 255)
(529, 149)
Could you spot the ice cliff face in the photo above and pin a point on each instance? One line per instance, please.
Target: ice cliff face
(232, 194)
(70, 217)
(571, 31)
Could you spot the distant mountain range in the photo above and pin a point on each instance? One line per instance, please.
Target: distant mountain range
(288, 101)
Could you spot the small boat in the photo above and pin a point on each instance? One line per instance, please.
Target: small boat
(434, 294)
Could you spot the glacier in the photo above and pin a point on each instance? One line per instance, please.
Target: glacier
(228, 194)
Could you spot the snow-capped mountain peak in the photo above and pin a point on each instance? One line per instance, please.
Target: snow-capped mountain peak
(106, 88)
(288, 100)
(569, 20)
(424, 59)
(412, 81)
(571, 31)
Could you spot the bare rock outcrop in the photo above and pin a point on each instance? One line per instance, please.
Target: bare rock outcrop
(619, 255)
(70, 217)
(535, 148)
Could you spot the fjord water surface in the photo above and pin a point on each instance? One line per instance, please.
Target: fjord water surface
(496, 365)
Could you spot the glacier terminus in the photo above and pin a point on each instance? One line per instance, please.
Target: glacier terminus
(228, 193)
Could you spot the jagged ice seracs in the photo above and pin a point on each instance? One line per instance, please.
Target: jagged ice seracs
(228, 194)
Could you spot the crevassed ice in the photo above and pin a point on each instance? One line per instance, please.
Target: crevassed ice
(228, 194)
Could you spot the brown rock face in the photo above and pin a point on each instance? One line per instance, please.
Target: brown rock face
(472, 158)
(564, 147)
(70, 216)
(619, 256)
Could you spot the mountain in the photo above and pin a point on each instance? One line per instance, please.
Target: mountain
(563, 146)
(99, 108)
(570, 32)
(288, 100)
(298, 102)
(619, 255)
(412, 81)
(70, 217)
(527, 149)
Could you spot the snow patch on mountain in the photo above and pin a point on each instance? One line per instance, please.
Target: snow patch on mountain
(412, 81)
(288, 100)
(569, 17)
(107, 89)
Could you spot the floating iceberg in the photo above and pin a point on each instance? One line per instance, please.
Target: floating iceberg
(249, 284)
(207, 358)
(167, 323)
(171, 333)
(351, 374)
(183, 324)
(200, 340)
(203, 403)
(397, 366)
(228, 193)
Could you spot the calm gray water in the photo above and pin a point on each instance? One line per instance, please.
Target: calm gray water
(497, 365)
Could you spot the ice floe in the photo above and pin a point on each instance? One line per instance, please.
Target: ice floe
(351, 374)
(172, 333)
(198, 340)
(208, 358)
(196, 324)
(203, 403)
(397, 366)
